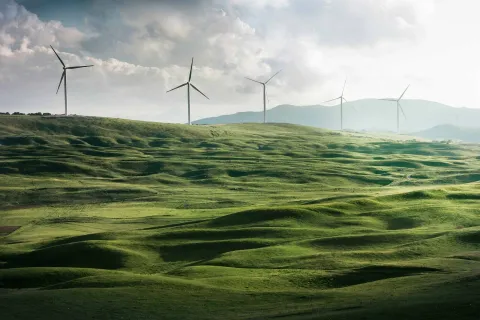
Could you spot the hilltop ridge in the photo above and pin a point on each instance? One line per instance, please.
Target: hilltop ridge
(124, 153)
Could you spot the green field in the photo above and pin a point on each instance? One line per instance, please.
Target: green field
(116, 219)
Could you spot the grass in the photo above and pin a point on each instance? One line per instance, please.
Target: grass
(112, 219)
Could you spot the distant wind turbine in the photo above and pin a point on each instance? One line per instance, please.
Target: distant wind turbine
(188, 84)
(264, 94)
(341, 104)
(399, 107)
(64, 78)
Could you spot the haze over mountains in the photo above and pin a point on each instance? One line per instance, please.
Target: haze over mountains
(367, 114)
(450, 132)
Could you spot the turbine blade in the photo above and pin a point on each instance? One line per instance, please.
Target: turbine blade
(331, 100)
(183, 85)
(404, 93)
(61, 79)
(61, 61)
(191, 70)
(80, 67)
(199, 91)
(254, 80)
(273, 76)
(402, 111)
(344, 99)
(344, 86)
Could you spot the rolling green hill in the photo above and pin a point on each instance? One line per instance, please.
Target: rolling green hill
(116, 219)
(366, 114)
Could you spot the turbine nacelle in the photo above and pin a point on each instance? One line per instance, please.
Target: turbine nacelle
(189, 84)
(399, 107)
(264, 84)
(339, 98)
(64, 76)
(342, 99)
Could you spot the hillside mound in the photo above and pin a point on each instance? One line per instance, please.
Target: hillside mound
(86, 254)
(272, 217)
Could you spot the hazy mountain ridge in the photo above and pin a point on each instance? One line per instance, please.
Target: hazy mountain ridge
(370, 113)
(451, 132)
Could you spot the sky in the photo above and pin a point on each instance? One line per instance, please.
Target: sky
(140, 49)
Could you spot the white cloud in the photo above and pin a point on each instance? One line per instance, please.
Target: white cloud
(380, 45)
(30, 71)
(17, 24)
(257, 4)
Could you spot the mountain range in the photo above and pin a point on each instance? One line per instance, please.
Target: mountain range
(362, 115)
(450, 132)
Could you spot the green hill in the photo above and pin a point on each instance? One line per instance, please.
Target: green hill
(111, 219)
(366, 114)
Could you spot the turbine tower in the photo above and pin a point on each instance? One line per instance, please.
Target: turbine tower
(399, 107)
(264, 84)
(341, 104)
(64, 78)
(188, 84)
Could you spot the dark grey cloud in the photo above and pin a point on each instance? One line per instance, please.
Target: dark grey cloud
(142, 48)
(158, 33)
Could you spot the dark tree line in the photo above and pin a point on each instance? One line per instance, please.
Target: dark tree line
(23, 114)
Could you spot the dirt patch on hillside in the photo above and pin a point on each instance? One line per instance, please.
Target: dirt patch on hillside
(6, 230)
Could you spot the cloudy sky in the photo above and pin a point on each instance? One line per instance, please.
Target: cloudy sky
(141, 49)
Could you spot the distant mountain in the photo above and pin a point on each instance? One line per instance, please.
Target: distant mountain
(449, 132)
(370, 115)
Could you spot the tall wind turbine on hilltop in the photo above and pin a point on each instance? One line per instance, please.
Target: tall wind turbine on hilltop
(264, 84)
(188, 84)
(341, 104)
(399, 107)
(64, 78)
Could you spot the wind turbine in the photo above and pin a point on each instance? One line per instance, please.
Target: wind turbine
(188, 84)
(341, 104)
(399, 107)
(64, 78)
(264, 94)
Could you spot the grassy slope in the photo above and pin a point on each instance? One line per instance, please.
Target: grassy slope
(140, 221)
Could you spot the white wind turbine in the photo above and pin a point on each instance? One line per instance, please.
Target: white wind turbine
(64, 78)
(341, 104)
(188, 84)
(264, 94)
(399, 107)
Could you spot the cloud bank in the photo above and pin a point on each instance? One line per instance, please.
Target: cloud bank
(141, 49)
